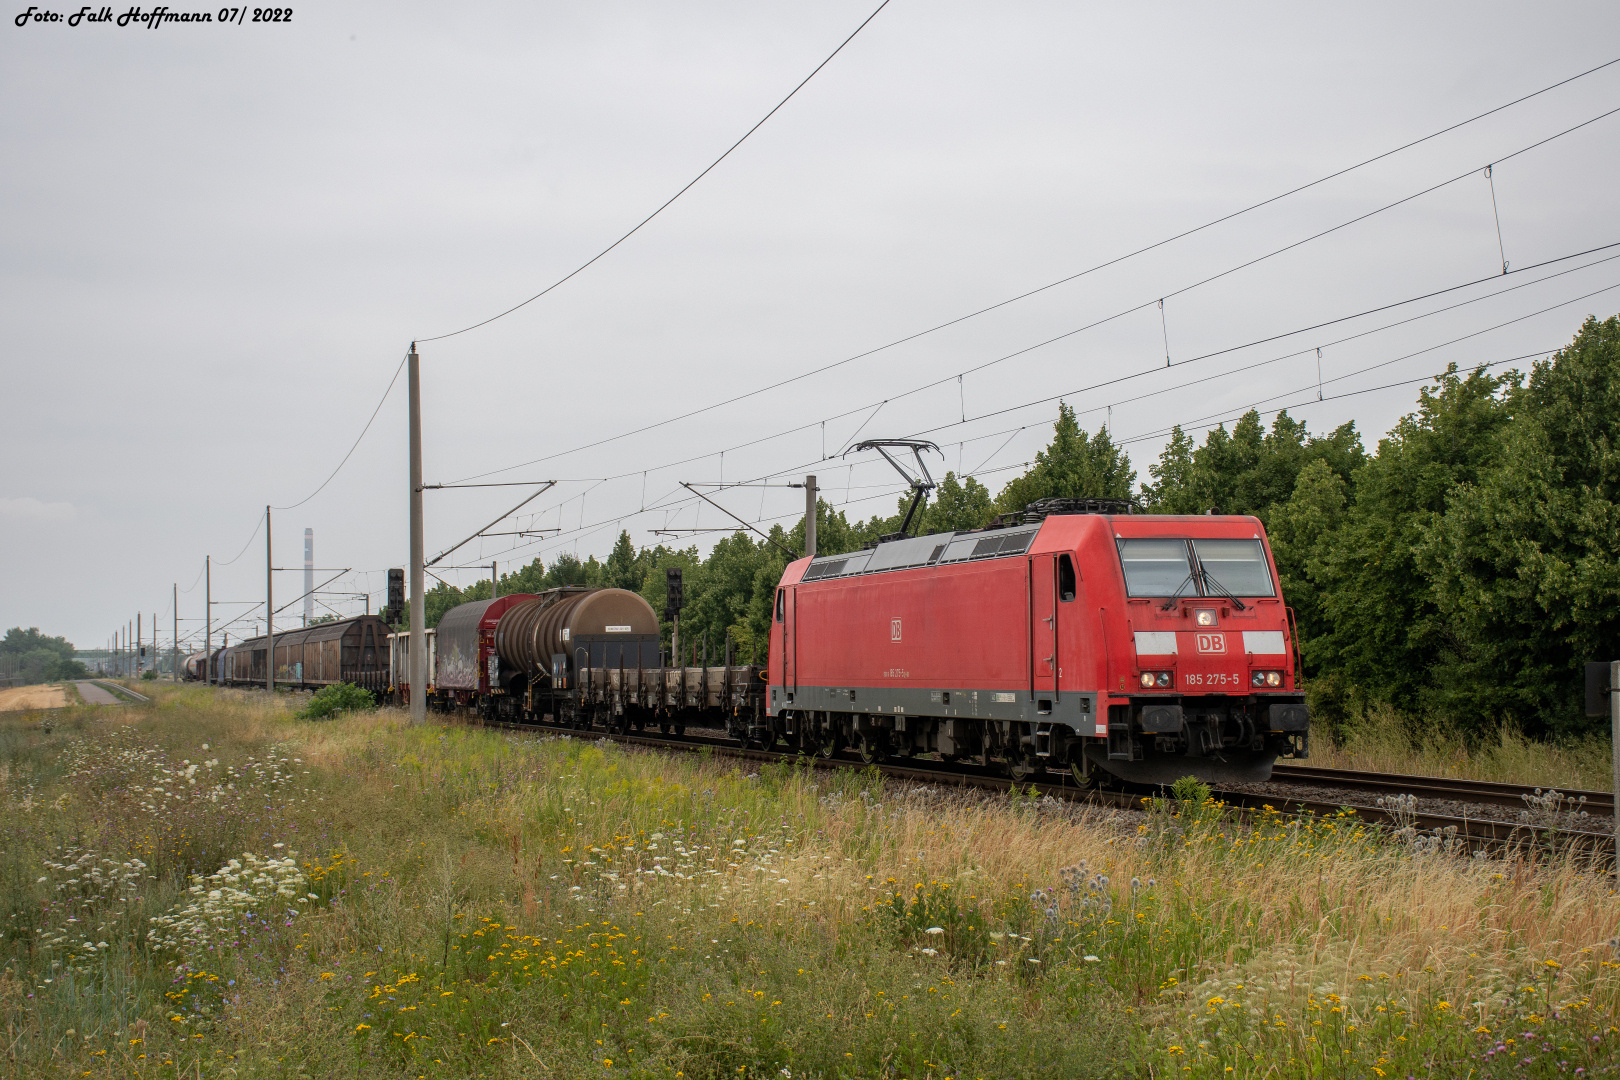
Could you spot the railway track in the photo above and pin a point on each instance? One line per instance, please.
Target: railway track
(1595, 803)
(1469, 834)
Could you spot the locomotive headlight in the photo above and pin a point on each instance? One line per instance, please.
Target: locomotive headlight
(1147, 680)
(1266, 678)
(1156, 680)
(1204, 617)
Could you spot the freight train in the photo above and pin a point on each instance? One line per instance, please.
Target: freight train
(1077, 636)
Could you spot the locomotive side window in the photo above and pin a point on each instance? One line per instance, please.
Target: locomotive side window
(1157, 568)
(1065, 578)
(781, 604)
(1238, 565)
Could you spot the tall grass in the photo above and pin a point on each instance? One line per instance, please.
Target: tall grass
(480, 903)
(1381, 740)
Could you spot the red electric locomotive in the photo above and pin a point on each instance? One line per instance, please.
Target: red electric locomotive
(1141, 647)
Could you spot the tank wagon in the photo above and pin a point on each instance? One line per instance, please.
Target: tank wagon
(347, 650)
(576, 656)
(1077, 635)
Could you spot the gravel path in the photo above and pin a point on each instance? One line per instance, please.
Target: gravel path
(96, 695)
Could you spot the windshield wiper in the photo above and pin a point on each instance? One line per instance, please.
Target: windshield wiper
(1170, 601)
(1211, 585)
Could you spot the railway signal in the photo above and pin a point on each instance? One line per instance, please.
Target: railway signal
(673, 601)
(672, 592)
(395, 609)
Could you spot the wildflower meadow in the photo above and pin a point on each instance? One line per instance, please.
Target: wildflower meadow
(212, 886)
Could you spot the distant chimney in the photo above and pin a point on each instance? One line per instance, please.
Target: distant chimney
(309, 575)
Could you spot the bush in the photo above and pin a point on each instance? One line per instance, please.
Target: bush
(338, 698)
(150, 675)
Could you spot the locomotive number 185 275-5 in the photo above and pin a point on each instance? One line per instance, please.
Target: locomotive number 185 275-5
(1213, 680)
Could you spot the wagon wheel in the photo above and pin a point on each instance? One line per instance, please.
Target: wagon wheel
(680, 730)
(663, 727)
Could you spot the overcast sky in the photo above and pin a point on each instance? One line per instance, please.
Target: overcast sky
(217, 242)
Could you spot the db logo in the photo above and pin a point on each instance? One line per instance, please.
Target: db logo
(894, 629)
(1212, 643)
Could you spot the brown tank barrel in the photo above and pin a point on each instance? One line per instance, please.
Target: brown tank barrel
(530, 633)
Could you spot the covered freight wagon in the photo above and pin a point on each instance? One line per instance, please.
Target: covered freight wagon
(347, 650)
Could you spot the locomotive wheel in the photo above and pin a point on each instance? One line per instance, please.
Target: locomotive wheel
(869, 750)
(663, 727)
(827, 744)
(680, 730)
(1082, 773)
(1020, 768)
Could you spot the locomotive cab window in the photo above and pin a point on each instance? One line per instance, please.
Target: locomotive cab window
(781, 604)
(1238, 566)
(1065, 578)
(1156, 567)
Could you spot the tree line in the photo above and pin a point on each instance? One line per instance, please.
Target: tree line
(28, 657)
(1461, 571)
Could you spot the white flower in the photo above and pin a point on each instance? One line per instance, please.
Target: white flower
(1090, 959)
(934, 930)
(930, 952)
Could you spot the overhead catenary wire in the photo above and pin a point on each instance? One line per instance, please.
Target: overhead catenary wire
(239, 554)
(583, 266)
(1208, 422)
(1302, 352)
(1069, 278)
(586, 530)
(358, 438)
(658, 504)
(1153, 370)
(979, 471)
(1441, 345)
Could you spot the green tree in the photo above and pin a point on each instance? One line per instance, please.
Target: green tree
(625, 569)
(1247, 470)
(956, 505)
(1376, 630)
(525, 579)
(1172, 490)
(1525, 563)
(1072, 465)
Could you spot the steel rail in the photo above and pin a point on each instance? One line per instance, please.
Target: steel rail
(1597, 803)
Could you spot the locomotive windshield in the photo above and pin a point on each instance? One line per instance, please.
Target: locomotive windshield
(1237, 565)
(1174, 567)
(1155, 567)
